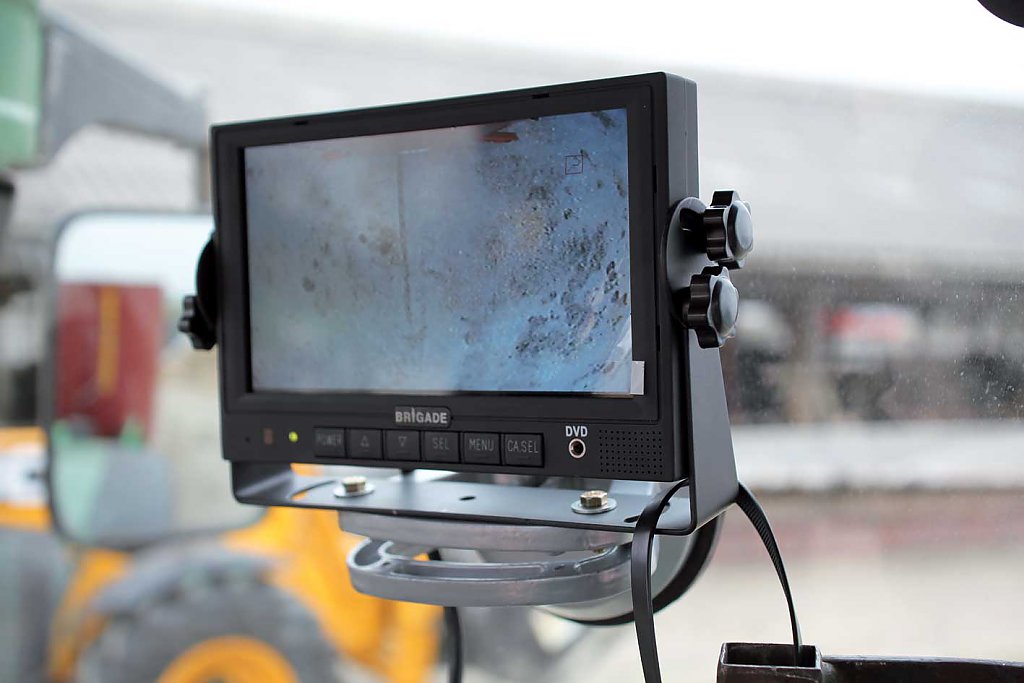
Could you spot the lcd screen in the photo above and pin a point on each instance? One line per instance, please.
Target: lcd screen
(486, 258)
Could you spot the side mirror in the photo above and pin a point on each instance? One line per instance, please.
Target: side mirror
(131, 412)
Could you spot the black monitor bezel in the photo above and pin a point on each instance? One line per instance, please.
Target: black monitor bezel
(229, 141)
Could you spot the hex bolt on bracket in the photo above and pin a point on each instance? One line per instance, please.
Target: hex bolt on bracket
(353, 487)
(593, 502)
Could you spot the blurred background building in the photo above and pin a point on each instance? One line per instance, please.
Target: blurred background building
(886, 283)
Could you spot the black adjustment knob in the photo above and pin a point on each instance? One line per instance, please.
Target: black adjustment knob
(712, 307)
(728, 229)
(199, 311)
(196, 325)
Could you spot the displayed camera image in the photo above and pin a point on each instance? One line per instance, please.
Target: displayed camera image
(485, 258)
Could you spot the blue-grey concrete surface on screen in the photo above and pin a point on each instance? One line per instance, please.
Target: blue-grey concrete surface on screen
(478, 258)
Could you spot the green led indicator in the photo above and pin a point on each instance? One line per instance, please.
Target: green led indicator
(293, 437)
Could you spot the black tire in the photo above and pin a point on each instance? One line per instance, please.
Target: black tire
(139, 646)
(33, 574)
(504, 642)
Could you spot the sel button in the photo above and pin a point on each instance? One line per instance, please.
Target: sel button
(440, 447)
(480, 449)
(522, 450)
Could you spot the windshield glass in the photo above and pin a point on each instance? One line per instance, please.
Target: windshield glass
(876, 383)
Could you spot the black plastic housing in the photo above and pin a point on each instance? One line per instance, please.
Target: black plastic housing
(679, 426)
(773, 663)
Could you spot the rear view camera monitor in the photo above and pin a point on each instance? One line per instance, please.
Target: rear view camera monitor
(476, 284)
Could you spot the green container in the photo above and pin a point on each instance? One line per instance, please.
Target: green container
(21, 81)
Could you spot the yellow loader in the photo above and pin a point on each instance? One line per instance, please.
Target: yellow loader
(242, 596)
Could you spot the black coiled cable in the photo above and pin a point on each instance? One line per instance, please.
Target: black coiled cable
(640, 572)
(453, 636)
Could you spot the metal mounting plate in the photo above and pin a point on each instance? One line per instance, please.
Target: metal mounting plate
(441, 533)
(411, 496)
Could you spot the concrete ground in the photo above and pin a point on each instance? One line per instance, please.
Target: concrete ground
(929, 574)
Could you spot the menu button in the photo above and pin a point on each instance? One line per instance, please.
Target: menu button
(480, 448)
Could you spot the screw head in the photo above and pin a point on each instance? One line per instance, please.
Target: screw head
(594, 499)
(354, 484)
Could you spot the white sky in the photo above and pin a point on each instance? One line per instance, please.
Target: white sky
(134, 248)
(935, 46)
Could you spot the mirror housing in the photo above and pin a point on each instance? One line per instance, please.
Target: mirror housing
(126, 404)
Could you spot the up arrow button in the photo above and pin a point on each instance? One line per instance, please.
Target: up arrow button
(364, 443)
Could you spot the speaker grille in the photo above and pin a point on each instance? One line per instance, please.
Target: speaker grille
(633, 453)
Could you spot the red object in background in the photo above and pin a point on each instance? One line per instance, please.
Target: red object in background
(877, 323)
(108, 344)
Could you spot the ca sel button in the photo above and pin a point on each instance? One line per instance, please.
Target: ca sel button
(522, 450)
(480, 448)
